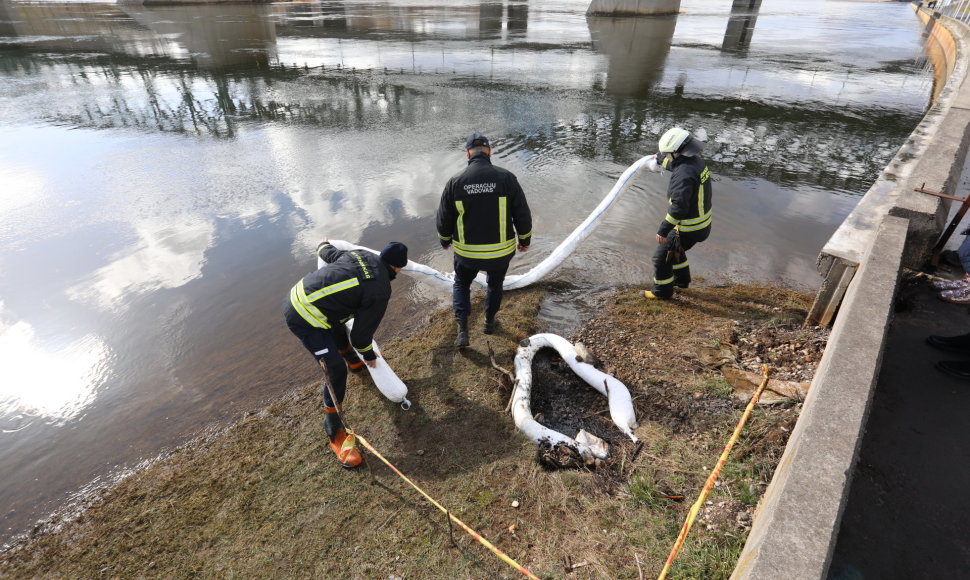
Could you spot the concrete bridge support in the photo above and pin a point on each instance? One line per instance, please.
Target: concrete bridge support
(633, 7)
(740, 28)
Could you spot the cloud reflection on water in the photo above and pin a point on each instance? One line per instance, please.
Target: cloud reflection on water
(43, 379)
(167, 255)
(178, 165)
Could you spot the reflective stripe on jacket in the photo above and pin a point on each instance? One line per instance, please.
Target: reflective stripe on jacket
(352, 284)
(688, 195)
(483, 211)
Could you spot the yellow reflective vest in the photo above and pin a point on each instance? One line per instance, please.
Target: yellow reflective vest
(688, 195)
(483, 212)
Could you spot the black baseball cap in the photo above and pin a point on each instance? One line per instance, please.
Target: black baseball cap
(476, 140)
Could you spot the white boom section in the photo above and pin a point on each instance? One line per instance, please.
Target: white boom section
(563, 250)
(620, 402)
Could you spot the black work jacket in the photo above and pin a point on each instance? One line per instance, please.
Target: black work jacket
(688, 195)
(352, 284)
(483, 212)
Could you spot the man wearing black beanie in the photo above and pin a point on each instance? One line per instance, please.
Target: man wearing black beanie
(352, 284)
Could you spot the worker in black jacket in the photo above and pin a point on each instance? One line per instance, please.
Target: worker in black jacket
(352, 284)
(689, 213)
(484, 214)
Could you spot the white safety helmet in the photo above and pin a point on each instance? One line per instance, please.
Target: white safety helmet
(674, 140)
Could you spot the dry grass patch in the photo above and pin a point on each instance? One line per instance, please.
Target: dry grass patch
(266, 499)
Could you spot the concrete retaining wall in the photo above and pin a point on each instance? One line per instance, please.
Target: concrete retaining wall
(932, 158)
(948, 140)
(797, 522)
(941, 51)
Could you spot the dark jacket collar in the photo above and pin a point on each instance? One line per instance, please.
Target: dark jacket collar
(480, 156)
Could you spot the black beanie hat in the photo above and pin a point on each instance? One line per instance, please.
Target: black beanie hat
(395, 254)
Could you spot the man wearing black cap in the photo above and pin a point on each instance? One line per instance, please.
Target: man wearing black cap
(353, 284)
(484, 214)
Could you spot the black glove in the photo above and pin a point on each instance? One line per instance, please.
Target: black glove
(675, 250)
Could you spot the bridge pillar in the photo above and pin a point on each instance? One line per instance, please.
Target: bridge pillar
(633, 7)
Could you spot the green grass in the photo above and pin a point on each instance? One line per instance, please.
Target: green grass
(644, 491)
(265, 499)
(716, 385)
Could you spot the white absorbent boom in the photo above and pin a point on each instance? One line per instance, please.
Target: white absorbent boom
(563, 250)
(620, 402)
(621, 405)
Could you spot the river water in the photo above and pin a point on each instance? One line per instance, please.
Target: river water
(167, 171)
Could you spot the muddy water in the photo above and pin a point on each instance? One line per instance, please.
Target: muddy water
(167, 171)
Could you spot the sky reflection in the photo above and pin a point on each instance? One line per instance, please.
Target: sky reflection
(168, 170)
(167, 255)
(43, 379)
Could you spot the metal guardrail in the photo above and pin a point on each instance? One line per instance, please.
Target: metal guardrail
(956, 9)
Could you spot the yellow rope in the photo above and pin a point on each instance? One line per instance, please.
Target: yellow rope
(471, 532)
(692, 513)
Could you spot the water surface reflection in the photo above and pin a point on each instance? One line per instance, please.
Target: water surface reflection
(167, 171)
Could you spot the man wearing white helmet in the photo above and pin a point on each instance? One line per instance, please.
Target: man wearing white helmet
(688, 219)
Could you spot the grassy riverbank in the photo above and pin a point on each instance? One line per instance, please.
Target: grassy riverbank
(265, 499)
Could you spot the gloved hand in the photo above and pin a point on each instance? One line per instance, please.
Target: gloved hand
(652, 163)
(675, 251)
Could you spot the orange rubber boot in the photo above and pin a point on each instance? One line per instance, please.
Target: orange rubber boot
(345, 446)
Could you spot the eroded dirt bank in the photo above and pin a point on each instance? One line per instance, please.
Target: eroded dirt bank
(265, 499)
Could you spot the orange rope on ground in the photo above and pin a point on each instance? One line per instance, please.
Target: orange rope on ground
(470, 531)
(692, 513)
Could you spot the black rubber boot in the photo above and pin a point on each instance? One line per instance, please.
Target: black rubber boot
(490, 324)
(461, 339)
(952, 343)
(332, 424)
(957, 368)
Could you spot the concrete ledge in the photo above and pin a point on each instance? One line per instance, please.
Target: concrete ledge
(796, 525)
(797, 521)
(933, 157)
(940, 168)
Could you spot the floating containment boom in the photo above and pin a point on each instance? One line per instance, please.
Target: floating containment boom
(444, 281)
(394, 389)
